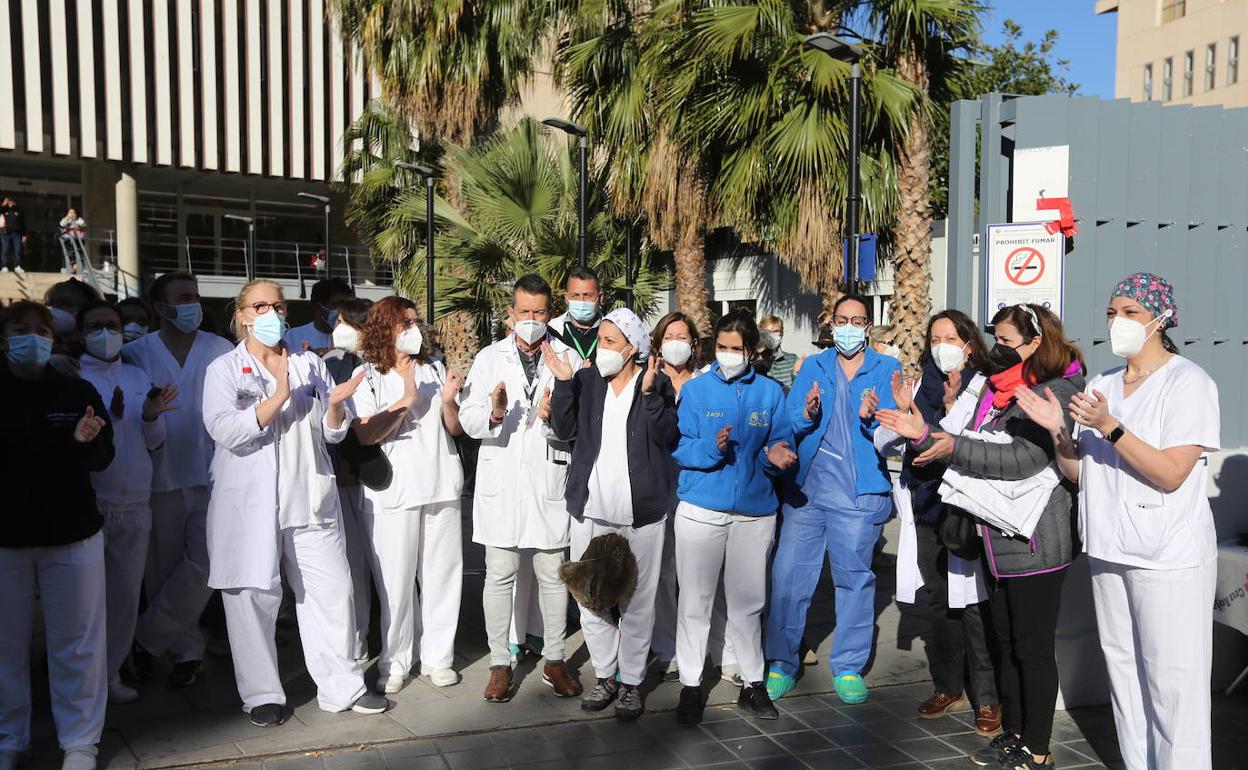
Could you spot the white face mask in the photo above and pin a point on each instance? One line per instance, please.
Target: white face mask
(676, 352)
(104, 344)
(893, 352)
(530, 331)
(609, 362)
(730, 364)
(948, 356)
(1127, 337)
(409, 341)
(132, 331)
(346, 337)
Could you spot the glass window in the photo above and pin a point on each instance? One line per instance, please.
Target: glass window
(1189, 64)
(1148, 82)
(1173, 9)
(1232, 61)
(1167, 78)
(1211, 58)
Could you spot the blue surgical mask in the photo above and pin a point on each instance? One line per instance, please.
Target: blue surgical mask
(849, 339)
(188, 318)
(582, 311)
(29, 350)
(269, 328)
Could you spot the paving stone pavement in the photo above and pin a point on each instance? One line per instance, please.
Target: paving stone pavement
(431, 727)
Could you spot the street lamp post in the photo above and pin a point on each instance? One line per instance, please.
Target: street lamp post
(843, 50)
(249, 250)
(582, 134)
(427, 173)
(324, 201)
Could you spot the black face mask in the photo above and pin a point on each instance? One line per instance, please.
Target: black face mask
(1003, 357)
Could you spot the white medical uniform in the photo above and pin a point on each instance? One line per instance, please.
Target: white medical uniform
(1154, 565)
(176, 579)
(518, 504)
(123, 494)
(308, 333)
(275, 510)
(414, 525)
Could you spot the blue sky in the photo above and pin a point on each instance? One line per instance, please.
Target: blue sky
(1085, 39)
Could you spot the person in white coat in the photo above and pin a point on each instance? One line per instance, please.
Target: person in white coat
(1140, 454)
(518, 505)
(123, 490)
(407, 406)
(176, 579)
(274, 509)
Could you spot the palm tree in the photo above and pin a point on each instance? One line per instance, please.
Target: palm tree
(920, 38)
(515, 210)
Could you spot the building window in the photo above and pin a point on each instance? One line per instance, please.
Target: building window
(1167, 78)
(1173, 9)
(1189, 64)
(1211, 59)
(1148, 82)
(1232, 61)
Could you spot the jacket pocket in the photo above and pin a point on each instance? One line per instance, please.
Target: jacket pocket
(556, 473)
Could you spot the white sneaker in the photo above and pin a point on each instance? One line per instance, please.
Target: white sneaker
(443, 677)
(19, 270)
(3, 270)
(79, 759)
(391, 685)
(119, 693)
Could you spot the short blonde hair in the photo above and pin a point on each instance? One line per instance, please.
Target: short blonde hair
(880, 334)
(772, 322)
(241, 300)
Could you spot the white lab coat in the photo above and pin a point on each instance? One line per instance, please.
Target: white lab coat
(128, 479)
(243, 526)
(522, 467)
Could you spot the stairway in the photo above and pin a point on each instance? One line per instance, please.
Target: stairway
(32, 286)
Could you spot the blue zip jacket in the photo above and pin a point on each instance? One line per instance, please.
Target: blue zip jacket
(739, 479)
(877, 370)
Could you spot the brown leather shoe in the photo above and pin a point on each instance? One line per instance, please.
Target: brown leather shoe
(987, 720)
(940, 704)
(560, 679)
(501, 687)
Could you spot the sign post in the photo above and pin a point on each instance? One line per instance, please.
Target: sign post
(1025, 265)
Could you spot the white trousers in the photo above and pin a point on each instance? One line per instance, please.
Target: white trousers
(351, 498)
(69, 581)
(738, 551)
(314, 561)
(497, 600)
(665, 611)
(126, 531)
(422, 545)
(177, 575)
(623, 648)
(526, 611)
(1156, 629)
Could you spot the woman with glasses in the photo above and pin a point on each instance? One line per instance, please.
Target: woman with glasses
(274, 510)
(837, 502)
(407, 405)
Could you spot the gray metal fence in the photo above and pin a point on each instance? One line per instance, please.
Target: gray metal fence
(1157, 188)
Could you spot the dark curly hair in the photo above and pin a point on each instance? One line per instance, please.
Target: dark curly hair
(380, 331)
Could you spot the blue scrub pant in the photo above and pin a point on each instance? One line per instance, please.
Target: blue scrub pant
(849, 537)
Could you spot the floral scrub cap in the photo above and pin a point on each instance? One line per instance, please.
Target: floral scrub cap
(1153, 292)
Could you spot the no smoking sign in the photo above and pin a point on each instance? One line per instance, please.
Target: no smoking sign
(1024, 265)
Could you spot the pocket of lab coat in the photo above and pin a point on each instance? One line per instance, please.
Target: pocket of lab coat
(489, 480)
(556, 474)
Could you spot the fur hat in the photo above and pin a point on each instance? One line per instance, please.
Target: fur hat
(604, 577)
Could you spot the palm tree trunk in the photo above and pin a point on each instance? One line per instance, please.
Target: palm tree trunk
(691, 295)
(911, 303)
(459, 337)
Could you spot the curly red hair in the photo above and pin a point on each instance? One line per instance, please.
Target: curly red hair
(381, 329)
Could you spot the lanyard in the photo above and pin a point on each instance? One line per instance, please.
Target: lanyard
(576, 343)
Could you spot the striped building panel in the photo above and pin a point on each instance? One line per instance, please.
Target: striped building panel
(60, 74)
(87, 75)
(31, 68)
(187, 112)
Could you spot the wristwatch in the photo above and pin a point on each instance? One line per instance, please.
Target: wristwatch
(1116, 434)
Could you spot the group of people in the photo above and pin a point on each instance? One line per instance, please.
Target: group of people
(694, 499)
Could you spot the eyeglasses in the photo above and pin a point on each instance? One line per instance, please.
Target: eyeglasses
(409, 323)
(260, 308)
(857, 321)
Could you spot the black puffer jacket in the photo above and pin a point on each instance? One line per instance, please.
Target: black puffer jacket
(1054, 544)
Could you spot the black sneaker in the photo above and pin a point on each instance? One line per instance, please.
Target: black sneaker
(371, 703)
(755, 701)
(689, 712)
(269, 715)
(141, 663)
(995, 751)
(184, 674)
(601, 696)
(630, 705)
(1019, 757)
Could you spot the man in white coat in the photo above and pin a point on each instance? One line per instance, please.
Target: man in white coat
(522, 468)
(176, 581)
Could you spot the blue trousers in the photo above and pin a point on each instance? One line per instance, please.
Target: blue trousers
(849, 538)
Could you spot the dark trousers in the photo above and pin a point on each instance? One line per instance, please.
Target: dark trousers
(1024, 616)
(11, 249)
(960, 655)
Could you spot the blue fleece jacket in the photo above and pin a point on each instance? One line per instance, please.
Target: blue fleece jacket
(876, 373)
(739, 479)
